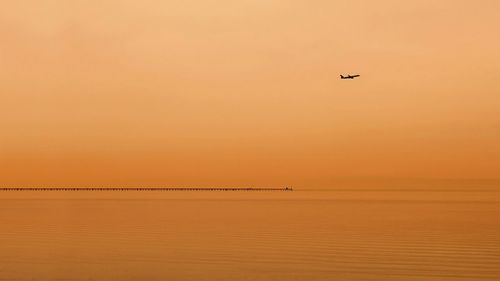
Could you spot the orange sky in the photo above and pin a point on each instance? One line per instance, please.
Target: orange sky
(247, 92)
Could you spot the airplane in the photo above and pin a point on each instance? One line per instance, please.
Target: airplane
(349, 76)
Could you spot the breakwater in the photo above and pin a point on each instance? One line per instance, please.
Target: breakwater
(146, 189)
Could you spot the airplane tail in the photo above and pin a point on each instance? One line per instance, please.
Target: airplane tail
(342, 76)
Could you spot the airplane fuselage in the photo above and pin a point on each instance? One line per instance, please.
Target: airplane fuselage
(349, 76)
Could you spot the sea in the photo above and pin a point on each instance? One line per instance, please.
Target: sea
(306, 234)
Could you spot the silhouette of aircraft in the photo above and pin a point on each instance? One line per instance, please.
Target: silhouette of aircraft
(349, 76)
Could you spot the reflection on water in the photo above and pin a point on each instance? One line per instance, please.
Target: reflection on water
(314, 235)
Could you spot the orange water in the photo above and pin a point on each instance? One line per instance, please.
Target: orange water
(300, 235)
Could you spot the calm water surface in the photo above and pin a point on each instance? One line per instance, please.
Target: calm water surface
(300, 235)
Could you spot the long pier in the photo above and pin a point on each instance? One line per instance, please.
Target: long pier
(146, 189)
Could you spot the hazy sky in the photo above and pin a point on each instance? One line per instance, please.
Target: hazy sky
(247, 92)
